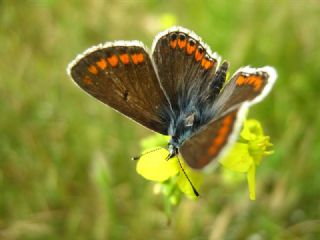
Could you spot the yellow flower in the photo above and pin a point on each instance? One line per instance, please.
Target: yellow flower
(247, 152)
(154, 165)
(172, 177)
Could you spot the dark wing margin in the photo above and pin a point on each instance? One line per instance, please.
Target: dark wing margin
(121, 75)
(184, 63)
(247, 86)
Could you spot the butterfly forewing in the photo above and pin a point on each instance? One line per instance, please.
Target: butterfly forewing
(122, 76)
(185, 65)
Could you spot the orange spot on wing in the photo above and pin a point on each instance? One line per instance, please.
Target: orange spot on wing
(124, 58)
(258, 84)
(113, 60)
(173, 43)
(251, 80)
(102, 64)
(182, 43)
(223, 130)
(227, 120)
(199, 55)
(206, 64)
(93, 69)
(240, 80)
(222, 135)
(137, 58)
(219, 140)
(255, 81)
(87, 80)
(140, 57)
(213, 149)
(190, 49)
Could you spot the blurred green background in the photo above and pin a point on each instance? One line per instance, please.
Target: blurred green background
(65, 169)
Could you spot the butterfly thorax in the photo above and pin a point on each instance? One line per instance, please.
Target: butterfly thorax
(183, 126)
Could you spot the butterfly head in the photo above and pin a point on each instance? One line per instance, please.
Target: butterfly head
(173, 151)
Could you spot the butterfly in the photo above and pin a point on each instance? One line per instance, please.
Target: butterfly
(178, 90)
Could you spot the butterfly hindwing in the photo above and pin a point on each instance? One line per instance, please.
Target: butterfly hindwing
(184, 63)
(121, 75)
(207, 144)
(246, 87)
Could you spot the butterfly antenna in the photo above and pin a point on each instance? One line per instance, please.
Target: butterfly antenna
(191, 184)
(151, 151)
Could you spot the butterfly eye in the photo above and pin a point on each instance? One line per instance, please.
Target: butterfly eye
(188, 122)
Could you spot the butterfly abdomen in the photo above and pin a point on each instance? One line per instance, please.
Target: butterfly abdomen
(217, 82)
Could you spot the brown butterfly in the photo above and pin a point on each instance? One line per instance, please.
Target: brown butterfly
(177, 90)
